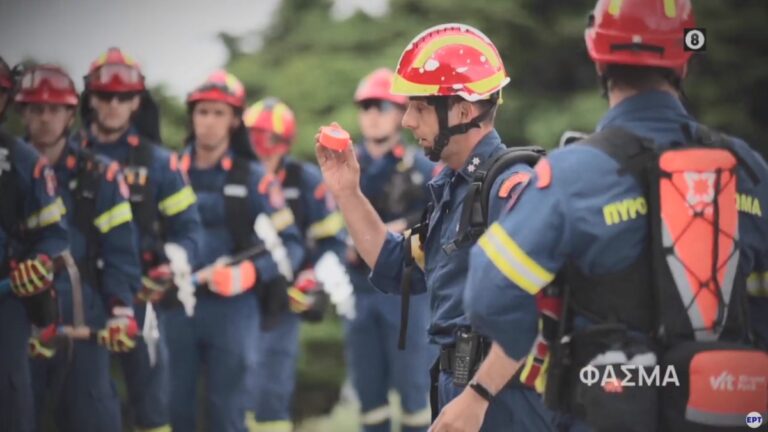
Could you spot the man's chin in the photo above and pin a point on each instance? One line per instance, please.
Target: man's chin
(111, 128)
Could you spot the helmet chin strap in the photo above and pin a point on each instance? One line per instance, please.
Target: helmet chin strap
(445, 132)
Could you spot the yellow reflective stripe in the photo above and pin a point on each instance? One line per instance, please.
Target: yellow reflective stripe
(614, 7)
(282, 219)
(487, 84)
(178, 202)
(417, 419)
(670, 8)
(375, 416)
(48, 215)
(270, 426)
(327, 227)
(163, 428)
(512, 261)
(113, 217)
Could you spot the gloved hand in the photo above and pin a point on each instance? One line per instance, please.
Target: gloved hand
(300, 294)
(31, 276)
(231, 280)
(156, 283)
(121, 331)
(42, 345)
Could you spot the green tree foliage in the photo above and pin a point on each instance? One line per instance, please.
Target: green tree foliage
(314, 63)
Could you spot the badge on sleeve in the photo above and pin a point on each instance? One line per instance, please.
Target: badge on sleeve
(513, 187)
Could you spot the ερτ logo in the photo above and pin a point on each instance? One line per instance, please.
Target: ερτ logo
(754, 420)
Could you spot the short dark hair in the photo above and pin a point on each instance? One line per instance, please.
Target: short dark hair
(638, 77)
(482, 105)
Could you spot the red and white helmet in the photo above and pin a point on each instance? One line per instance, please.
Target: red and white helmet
(640, 33)
(378, 85)
(271, 126)
(450, 60)
(115, 72)
(46, 84)
(220, 86)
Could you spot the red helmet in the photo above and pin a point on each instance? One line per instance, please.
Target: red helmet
(266, 119)
(640, 33)
(378, 85)
(46, 84)
(220, 86)
(6, 78)
(115, 72)
(447, 60)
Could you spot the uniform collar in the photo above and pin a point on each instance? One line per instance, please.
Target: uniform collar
(188, 157)
(653, 100)
(482, 151)
(130, 136)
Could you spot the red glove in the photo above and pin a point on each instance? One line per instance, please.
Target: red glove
(42, 345)
(231, 280)
(156, 283)
(306, 283)
(32, 276)
(121, 331)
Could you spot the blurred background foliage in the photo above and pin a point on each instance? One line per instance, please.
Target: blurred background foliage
(314, 63)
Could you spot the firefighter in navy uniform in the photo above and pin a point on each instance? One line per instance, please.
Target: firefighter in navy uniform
(641, 261)
(453, 76)
(394, 178)
(272, 128)
(33, 233)
(102, 244)
(121, 123)
(237, 298)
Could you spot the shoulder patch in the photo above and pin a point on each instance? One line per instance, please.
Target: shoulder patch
(173, 162)
(133, 140)
(514, 180)
(544, 173)
(226, 163)
(185, 162)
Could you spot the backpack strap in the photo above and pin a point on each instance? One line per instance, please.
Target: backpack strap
(142, 198)
(474, 212)
(419, 231)
(89, 173)
(235, 191)
(294, 177)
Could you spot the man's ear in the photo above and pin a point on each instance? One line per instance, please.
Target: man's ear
(467, 111)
